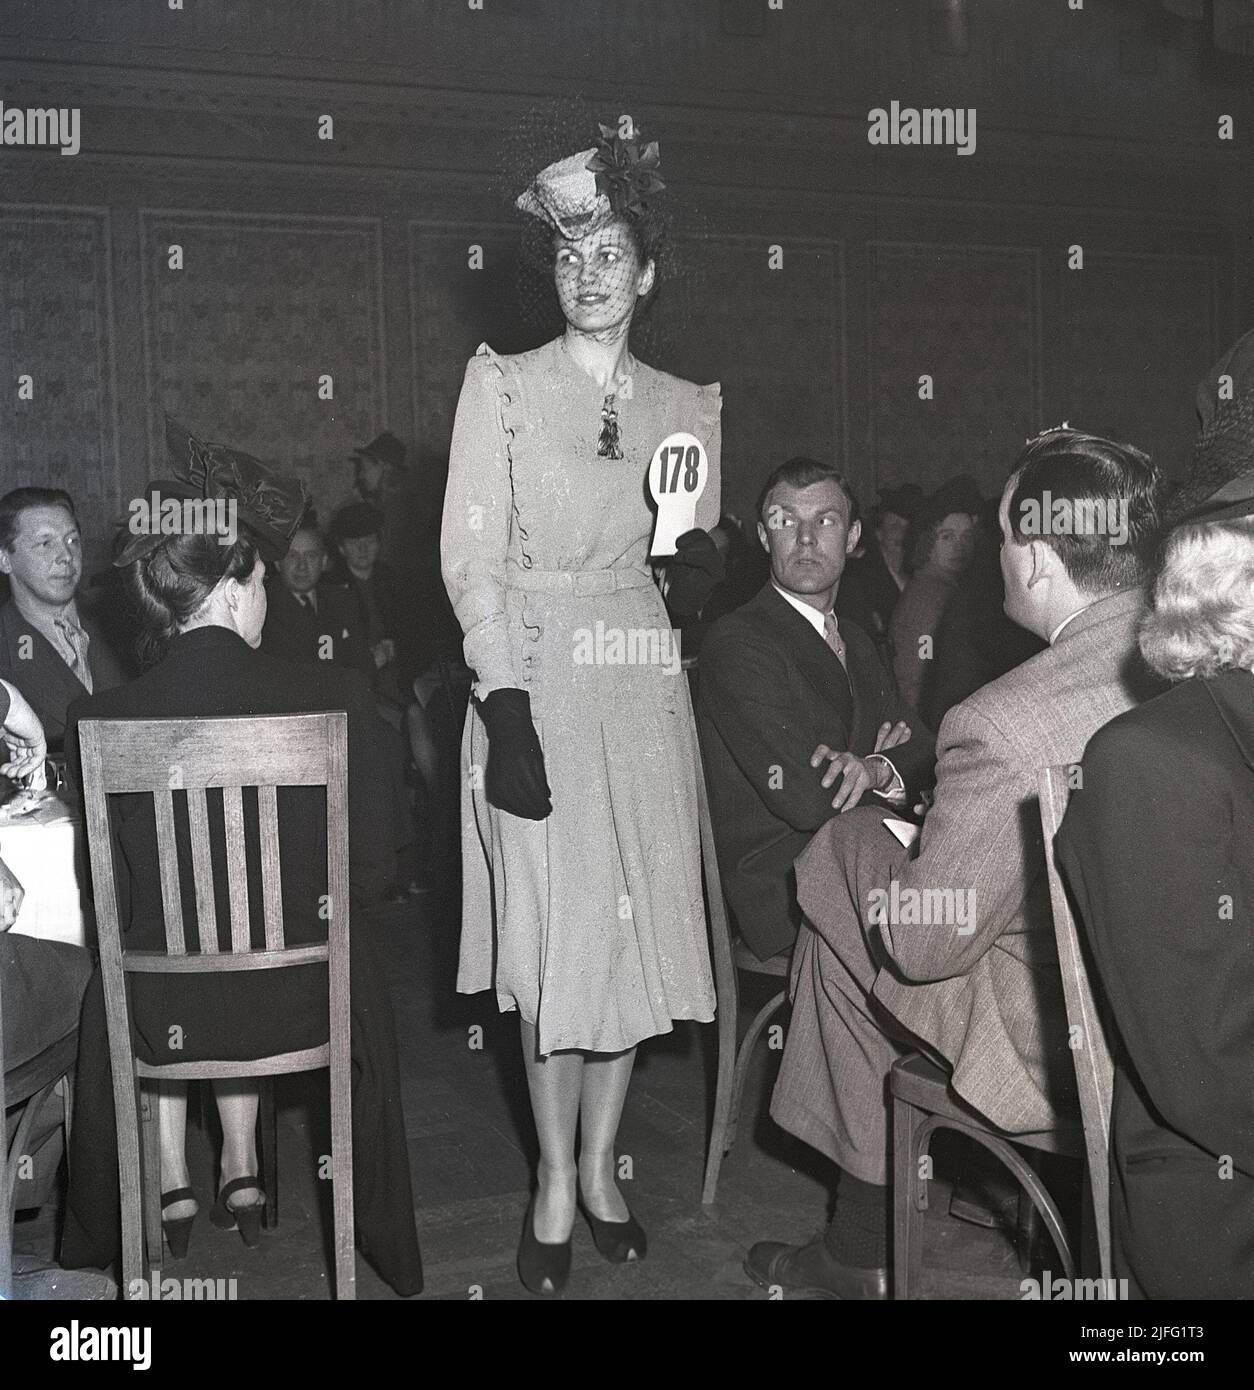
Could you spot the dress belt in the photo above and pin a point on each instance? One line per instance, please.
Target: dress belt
(578, 582)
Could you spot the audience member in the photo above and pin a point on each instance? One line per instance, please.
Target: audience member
(950, 950)
(48, 648)
(874, 579)
(381, 477)
(928, 617)
(204, 605)
(308, 616)
(381, 608)
(357, 532)
(1156, 848)
(789, 701)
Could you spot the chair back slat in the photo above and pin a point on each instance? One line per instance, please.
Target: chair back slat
(212, 752)
(168, 859)
(202, 870)
(229, 753)
(1094, 1069)
(236, 867)
(271, 881)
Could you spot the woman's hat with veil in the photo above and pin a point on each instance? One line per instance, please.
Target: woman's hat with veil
(1219, 484)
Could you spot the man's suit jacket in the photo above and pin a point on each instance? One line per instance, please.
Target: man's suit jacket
(989, 1000)
(1158, 851)
(770, 690)
(34, 665)
(334, 634)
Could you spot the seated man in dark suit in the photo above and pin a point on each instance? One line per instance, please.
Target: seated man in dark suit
(309, 618)
(788, 702)
(51, 652)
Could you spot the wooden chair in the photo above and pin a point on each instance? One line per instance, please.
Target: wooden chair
(729, 955)
(1094, 1070)
(135, 756)
(923, 1102)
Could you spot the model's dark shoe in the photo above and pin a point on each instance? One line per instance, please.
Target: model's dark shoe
(246, 1219)
(178, 1231)
(616, 1241)
(810, 1271)
(544, 1269)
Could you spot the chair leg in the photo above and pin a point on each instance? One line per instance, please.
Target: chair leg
(1033, 1187)
(150, 1174)
(269, 1153)
(342, 1175)
(728, 1008)
(744, 1060)
(130, 1185)
(911, 1137)
(1027, 1232)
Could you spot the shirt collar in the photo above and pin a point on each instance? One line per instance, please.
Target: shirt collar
(807, 611)
(1053, 636)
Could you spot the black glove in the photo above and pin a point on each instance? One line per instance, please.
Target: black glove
(695, 571)
(515, 780)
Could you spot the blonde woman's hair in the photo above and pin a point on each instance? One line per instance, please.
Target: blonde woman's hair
(1202, 615)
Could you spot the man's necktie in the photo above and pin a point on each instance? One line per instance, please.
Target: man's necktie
(76, 640)
(831, 635)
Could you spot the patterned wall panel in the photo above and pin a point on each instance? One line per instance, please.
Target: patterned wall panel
(56, 326)
(236, 341)
(1137, 334)
(968, 317)
(773, 338)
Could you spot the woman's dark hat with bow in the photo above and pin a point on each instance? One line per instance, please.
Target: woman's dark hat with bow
(355, 520)
(1219, 484)
(904, 501)
(960, 494)
(268, 504)
(386, 448)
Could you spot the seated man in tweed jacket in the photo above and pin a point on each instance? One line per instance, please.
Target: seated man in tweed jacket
(950, 950)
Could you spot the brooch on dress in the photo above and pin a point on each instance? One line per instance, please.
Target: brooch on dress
(607, 442)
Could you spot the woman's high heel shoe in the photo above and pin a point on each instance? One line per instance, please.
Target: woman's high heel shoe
(616, 1241)
(178, 1230)
(246, 1220)
(543, 1268)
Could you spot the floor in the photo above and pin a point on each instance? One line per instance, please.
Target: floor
(470, 1145)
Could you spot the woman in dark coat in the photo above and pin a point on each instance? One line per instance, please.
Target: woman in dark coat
(203, 605)
(1158, 850)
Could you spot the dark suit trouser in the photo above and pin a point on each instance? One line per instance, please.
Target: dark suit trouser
(833, 1081)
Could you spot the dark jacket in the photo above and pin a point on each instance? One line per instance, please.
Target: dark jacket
(1158, 851)
(34, 665)
(770, 691)
(334, 634)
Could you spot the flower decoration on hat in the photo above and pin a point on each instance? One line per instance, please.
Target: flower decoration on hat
(268, 503)
(625, 173)
(582, 192)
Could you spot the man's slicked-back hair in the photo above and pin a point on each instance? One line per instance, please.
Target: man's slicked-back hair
(802, 472)
(22, 499)
(1089, 473)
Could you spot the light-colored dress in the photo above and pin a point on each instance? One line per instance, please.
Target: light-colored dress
(591, 923)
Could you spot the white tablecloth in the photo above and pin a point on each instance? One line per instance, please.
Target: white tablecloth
(46, 850)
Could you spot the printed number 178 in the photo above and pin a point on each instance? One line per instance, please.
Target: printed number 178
(689, 459)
